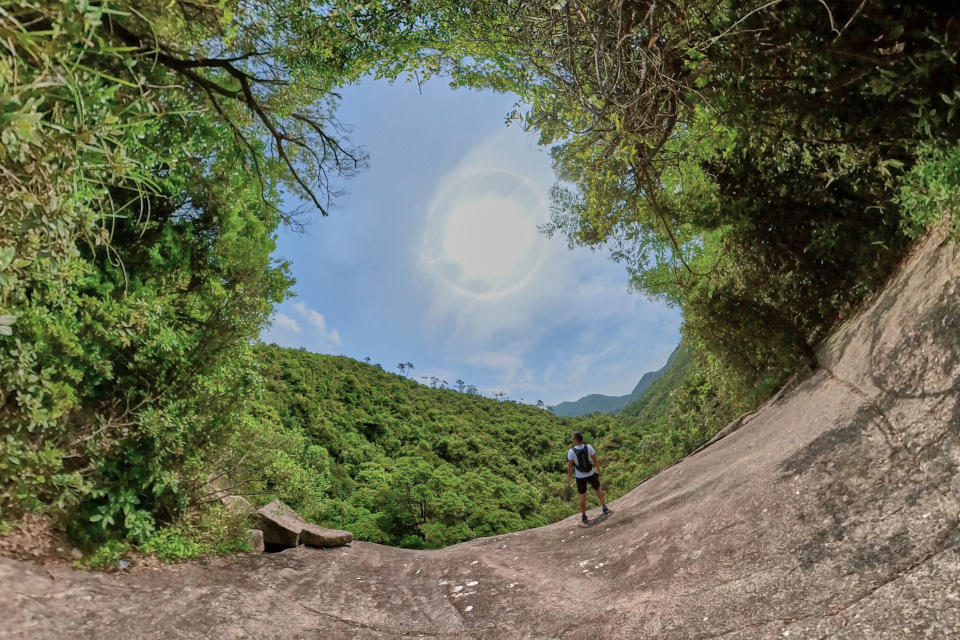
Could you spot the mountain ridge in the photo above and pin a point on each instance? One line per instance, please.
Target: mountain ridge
(598, 402)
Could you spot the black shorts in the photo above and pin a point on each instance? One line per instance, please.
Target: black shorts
(594, 481)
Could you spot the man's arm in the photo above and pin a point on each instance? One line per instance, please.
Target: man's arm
(596, 463)
(569, 471)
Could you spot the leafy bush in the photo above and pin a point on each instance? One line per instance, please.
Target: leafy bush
(139, 266)
(931, 189)
(170, 545)
(106, 555)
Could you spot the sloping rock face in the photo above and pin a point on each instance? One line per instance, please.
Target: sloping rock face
(834, 512)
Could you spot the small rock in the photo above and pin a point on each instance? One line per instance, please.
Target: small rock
(255, 539)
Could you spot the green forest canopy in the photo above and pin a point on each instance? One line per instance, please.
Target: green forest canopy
(398, 462)
(763, 165)
(394, 461)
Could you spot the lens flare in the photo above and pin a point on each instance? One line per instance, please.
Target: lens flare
(481, 237)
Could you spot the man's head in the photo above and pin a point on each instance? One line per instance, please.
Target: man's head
(577, 437)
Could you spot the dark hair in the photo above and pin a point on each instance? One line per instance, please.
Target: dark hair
(578, 436)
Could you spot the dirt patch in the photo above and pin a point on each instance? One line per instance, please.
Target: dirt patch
(35, 538)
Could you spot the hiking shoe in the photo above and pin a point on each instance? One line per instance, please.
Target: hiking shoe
(583, 517)
(606, 511)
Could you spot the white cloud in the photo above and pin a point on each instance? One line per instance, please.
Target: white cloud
(507, 368)
(319, 323)
(285, 322)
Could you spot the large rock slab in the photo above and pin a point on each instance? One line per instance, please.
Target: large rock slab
(237, 505)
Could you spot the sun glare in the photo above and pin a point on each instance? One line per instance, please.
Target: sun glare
(482, 236)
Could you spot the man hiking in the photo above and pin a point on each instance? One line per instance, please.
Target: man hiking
(578, 462)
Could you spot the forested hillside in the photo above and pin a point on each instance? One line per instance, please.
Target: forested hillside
(397, 462)
(653, 403)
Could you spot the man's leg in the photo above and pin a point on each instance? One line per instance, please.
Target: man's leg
(583, 503)
(600, 494)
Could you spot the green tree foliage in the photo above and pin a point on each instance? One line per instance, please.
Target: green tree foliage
(139, 268)
(743, 159)
(143, 148)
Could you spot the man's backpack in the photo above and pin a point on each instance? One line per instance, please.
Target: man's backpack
(583, 463)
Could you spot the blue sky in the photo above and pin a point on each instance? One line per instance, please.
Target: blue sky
(433, 257)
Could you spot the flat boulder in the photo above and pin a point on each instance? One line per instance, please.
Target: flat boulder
(317, 536)
(283, 527)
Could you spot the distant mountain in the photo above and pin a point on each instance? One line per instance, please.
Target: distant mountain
(596, 402)
(655, 402)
